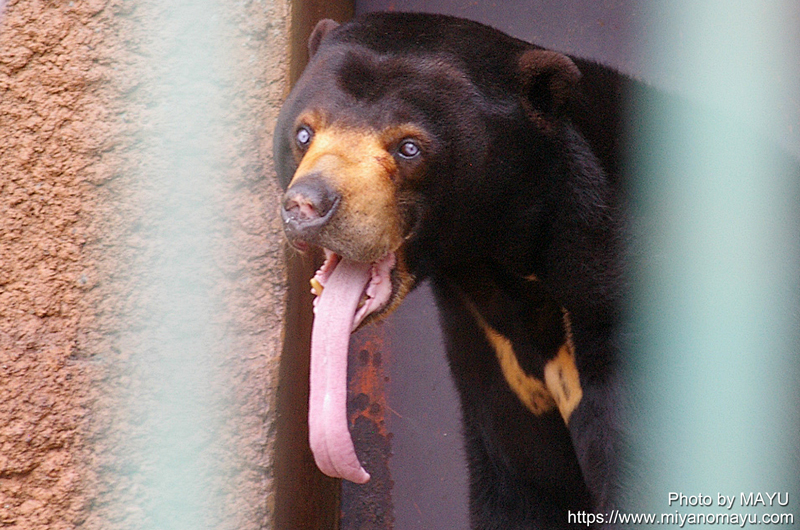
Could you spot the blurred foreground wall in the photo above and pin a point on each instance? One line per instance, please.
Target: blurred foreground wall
(111, 168)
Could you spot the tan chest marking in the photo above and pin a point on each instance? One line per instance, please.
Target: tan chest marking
(561, 386)
(562, 380)
(530, 390)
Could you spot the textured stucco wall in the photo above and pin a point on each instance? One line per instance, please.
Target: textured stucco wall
(78, 104)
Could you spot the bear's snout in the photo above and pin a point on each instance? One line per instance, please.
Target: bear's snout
(307, 206)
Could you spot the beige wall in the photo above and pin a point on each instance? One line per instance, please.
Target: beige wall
(75, 118)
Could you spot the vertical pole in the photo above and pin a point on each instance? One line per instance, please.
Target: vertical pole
(176, 399)
(716, 311)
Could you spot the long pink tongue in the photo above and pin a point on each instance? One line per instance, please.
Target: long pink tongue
(329, 435)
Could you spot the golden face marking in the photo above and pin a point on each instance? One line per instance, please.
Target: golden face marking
(359, 164)
(367, 223)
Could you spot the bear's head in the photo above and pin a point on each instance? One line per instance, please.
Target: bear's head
(397, 119)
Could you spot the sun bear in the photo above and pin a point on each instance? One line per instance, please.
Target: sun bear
(429, 147)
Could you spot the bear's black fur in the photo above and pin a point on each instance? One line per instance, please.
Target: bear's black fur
(491, 167)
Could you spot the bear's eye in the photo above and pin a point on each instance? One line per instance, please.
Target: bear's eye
(409, 149)
(303, 137)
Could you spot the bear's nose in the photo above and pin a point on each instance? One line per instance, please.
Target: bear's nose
(307, 207)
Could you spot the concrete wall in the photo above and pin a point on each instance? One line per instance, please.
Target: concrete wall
(86, 185)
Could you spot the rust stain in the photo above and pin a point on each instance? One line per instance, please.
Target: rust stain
(369, 505)
(368, 379)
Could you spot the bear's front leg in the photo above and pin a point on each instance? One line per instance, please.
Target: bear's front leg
(599, 444)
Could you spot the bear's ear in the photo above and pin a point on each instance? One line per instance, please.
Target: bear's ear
(549, 80)
(322, 28)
